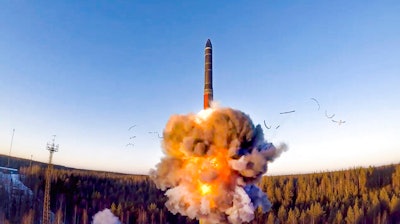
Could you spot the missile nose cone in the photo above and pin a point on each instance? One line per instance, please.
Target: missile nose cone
(208, 44)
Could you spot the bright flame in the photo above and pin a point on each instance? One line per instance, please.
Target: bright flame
(203, 115)
(205, 189)
(212, 174)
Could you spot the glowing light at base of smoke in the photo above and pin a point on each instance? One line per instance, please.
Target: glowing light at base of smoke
(212, 162)
(105, 217)
(205, 189)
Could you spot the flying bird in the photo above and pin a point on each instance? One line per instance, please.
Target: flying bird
(265, 124)
(287, 112)
(131, 127)
(155, 132)
(339, 122)
(132, 137)
(330, 117)
(277, 126)
(129, 144)
(316, 102)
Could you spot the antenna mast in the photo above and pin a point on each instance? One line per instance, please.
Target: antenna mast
(52, 147)
(9, 154)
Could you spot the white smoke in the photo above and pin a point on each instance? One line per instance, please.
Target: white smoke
(242, 209)
(105, 217)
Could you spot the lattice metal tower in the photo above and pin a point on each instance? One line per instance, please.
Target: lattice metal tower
(46, 202)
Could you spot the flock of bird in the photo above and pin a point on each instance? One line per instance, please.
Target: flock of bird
(132, 137)
(132, 144)
(339, 122)
(330, 117)
(156, 133)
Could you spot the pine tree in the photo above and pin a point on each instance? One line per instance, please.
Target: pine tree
(384, 217)
(350, 217)
(259, 214)
(118, 211)
(59, 217)
(394, 204)
(282, 214)
(316, 212)
(85, 218)
(292, 217)
(113, 208)
(338, 218)
(384, 199)
(396, 178)
(362, 180)
(28, 218)
(358, 213)
(303, 217)
(271, 218)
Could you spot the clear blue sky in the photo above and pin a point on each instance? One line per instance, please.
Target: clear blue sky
(88, 70)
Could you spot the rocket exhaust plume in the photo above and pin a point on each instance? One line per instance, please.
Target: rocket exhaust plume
(212, 163)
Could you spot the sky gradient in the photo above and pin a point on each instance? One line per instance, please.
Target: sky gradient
(87, 71)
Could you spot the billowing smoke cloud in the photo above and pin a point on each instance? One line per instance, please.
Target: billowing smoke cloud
(105, 217)
(212, 162)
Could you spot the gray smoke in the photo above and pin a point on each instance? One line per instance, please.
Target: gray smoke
(211, 165)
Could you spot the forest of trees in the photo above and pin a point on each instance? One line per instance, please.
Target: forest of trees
(358, 195)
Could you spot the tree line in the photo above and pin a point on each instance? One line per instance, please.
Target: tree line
(357, 195)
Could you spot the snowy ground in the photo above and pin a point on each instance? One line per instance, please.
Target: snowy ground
(12, 184)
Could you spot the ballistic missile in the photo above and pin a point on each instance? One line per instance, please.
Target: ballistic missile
(208, 89)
